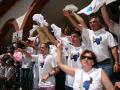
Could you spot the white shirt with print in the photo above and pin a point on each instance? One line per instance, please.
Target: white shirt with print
(99, 42)
(72, 59)
(45, 66)
(90, 80)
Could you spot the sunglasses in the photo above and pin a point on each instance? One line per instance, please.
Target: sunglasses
(88, 57)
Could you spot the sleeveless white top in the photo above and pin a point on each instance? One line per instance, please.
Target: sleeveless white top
(88, 80)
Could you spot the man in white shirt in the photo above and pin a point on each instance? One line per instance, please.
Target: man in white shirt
(98, 40)
(47, 67)
(72, 52)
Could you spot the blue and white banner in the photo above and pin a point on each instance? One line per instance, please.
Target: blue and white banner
(92, 7)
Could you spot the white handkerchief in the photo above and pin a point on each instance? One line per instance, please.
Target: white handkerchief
(70, 7)
(33, 30)
(56, 30)
(39, 18)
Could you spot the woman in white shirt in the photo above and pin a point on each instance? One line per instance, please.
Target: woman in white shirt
(87, 78)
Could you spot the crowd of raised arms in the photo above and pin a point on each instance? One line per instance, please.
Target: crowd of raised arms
(86, 59)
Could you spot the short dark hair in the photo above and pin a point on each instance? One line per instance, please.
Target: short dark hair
(94, 16)
(98, 17)
(47, 44)
(76, 32)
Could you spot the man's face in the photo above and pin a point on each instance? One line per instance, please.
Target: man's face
(43, 49)
(94, 24)
(75, 38)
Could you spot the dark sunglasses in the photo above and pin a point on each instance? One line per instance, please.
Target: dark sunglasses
(88, 57)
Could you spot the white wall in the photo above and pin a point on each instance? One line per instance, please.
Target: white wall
(17, 11)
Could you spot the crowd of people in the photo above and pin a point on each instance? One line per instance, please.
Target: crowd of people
(84, 60)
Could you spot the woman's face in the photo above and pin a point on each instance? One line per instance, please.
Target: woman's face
(87, 60)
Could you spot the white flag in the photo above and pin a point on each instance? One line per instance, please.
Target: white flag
(92, 7)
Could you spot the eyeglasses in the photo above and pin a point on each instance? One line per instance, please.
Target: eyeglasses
(88, 57)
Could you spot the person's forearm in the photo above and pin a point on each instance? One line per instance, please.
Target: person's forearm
(49, 35)
(26, 53)
(23, 42)
(73, 21)
(106, 17)
(115, 54)
(80, 19)
(78, 22)
(59, 55)
(64, 67)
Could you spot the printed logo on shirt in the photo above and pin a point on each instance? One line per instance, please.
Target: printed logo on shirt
(42, 64)
(86, 84)
(74, 56)
(89, 9)
(97, 40)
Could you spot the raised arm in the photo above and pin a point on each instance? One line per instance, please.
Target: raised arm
(65, 68)
(28, 55)
(79, 19)
(76, 20)
(106, 17)
(49, 35)
(68, 14)
(27, 43)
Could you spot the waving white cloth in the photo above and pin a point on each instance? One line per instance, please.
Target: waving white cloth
(58, 34)
(92, 7)
(39, 18)
(35, 27)
(56, 30)
(70, 7)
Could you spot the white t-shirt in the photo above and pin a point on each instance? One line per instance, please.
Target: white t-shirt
(45, 66)
(26, 62)
(90, 80)
(99, 42)
(72, 59)
(53, 50)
